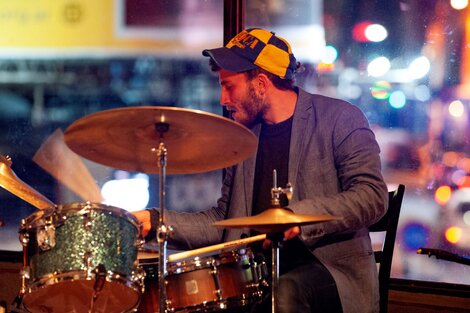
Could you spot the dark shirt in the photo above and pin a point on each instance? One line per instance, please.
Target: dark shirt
(273, 153)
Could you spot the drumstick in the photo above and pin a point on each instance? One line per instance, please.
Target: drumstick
(19, 188)
(220, 246)
(56, 158)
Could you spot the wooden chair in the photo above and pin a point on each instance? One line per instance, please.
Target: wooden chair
(388, 224)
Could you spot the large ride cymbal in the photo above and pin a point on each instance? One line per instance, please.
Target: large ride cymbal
(273, 220)
(127, 139)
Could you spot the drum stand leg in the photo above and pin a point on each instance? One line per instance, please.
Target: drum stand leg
(163, 231)
(275, 276)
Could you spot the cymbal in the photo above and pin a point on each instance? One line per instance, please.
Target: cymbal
(11, 182)
(273, 220)
(127, 139)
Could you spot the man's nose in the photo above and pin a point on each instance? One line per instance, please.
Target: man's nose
(224, 99)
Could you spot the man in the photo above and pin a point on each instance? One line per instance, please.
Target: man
(325, 149)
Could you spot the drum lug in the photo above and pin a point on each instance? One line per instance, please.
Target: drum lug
(87, 262)
(138, 276)
(24, 238)
(139, 242)
(46, 237)
(25, 272)
(87, 221)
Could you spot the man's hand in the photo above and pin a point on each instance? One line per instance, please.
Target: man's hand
(288, 234)
(144, 218)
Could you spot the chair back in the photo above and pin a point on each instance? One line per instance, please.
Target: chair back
(388, 224)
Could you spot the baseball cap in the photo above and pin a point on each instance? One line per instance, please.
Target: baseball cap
(252, 48)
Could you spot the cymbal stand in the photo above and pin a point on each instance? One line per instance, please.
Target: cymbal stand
(276, 240)
(163, 231)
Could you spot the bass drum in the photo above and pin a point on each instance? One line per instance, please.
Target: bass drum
(81, 257)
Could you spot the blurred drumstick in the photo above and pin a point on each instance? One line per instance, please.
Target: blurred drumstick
(220, 246)
(56, 158)
(19, 188)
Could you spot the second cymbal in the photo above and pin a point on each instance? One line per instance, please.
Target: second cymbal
(273, 220)
(126, 138)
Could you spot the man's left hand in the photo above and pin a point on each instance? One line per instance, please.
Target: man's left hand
(288, 234)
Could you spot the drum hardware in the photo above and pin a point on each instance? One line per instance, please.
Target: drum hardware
(163, 231)
(125, 138)
(91, 267)
(46, 237)
(274, 221)
(100, 279)
(212, 283)
(225, 277)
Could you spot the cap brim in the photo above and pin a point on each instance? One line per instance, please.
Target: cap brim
(229, 60)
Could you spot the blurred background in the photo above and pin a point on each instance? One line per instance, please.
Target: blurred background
(406, 64)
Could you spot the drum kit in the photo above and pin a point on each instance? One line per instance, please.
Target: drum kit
(86, 257)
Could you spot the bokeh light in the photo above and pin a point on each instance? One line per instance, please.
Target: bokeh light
(359, 31)
(464, 182)
(378, 66)
(330, 54)
(458, 4)
(422, 93)
(466, 218)
(415, 235)
(419, 67)
(456, 108)
(443, 194)
(453, 234)
(375, 33)
(397, 99)
(381, 90)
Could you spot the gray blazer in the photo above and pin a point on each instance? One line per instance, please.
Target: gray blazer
(335, 169)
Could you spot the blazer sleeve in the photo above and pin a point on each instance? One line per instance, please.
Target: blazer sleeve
(194, 230)
(346, 181)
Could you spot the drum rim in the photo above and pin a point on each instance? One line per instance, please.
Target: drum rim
(135, 286)
(134, 281)
(68, 210)
(226, 257)
(230, 302)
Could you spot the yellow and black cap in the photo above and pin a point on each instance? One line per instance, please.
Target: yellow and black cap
(254, 48)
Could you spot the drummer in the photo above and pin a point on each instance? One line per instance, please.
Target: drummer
(325, 148)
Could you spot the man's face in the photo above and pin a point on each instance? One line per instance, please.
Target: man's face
(239, 96)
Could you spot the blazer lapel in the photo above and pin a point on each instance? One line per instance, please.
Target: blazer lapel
(249, 174)
(300, 123)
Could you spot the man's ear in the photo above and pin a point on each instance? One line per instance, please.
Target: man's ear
(262, 83)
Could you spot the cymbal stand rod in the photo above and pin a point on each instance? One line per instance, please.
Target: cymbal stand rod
(162, 232)
(275, 275)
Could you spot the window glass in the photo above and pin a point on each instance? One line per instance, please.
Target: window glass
(405, 64)
(65, 60)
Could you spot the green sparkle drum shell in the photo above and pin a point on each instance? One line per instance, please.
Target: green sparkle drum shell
(66, 245)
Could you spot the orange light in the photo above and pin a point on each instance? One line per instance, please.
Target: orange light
(464, 182)
(453, 234)
(325, 67)
(442, 194)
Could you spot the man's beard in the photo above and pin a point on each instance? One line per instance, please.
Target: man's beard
(254, 107)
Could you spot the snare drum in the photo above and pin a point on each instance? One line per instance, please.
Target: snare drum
(213, 283)
(81, 258)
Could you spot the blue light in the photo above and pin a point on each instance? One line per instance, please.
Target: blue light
(415, 235)
(397, 99)
(330, 55)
